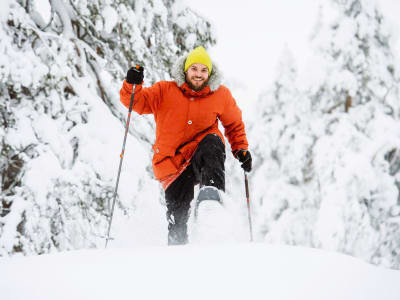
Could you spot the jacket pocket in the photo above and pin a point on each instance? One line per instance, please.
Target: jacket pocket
(163, 165)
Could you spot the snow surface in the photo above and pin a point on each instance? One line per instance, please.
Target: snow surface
(218, 264)
(244, 271)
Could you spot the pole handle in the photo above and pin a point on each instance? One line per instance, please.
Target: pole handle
(132, 96)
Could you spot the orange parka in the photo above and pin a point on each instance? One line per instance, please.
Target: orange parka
(184, 117)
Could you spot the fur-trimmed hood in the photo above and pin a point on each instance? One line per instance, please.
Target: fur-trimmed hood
(178, 74)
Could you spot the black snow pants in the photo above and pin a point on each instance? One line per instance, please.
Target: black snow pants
(207, 168)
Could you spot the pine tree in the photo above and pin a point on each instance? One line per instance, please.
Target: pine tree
(61, 69)
(284, 156)
(353, 46)
(355, 88)
(330, 146)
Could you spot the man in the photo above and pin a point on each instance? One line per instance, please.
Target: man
(189, 148)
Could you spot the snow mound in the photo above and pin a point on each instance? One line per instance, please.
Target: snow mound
(217, 223)
(213, 224)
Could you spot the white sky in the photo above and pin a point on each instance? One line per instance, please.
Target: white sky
(251, 36)
(252, 33)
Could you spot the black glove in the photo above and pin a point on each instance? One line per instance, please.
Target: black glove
(135, 75)
(244, 157)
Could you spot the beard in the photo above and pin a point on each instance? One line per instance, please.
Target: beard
(194, 87)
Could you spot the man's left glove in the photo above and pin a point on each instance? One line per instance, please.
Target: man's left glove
(244, 157)
(135, 75)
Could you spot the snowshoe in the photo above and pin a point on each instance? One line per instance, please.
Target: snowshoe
(206, 194)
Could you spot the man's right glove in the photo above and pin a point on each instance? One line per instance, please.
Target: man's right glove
(244, 157)
(135, 75)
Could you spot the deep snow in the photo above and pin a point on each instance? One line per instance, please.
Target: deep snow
(240, 271)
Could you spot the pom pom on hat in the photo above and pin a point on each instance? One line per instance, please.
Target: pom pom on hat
(198, 55)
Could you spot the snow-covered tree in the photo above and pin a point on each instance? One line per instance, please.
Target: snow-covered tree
(355, 57)
(61, 68)
(353, 160)
(334, 182)
(283, 163)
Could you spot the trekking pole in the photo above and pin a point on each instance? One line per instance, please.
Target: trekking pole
(246, 183)
(120, 162)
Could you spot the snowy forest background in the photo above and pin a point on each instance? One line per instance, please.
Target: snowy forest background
(325, 139)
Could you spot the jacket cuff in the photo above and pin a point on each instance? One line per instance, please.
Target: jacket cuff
(129, 86)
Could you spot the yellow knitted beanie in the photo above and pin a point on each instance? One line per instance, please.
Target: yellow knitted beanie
(198, 55)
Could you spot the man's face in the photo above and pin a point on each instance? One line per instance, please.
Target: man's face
(197, 76)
